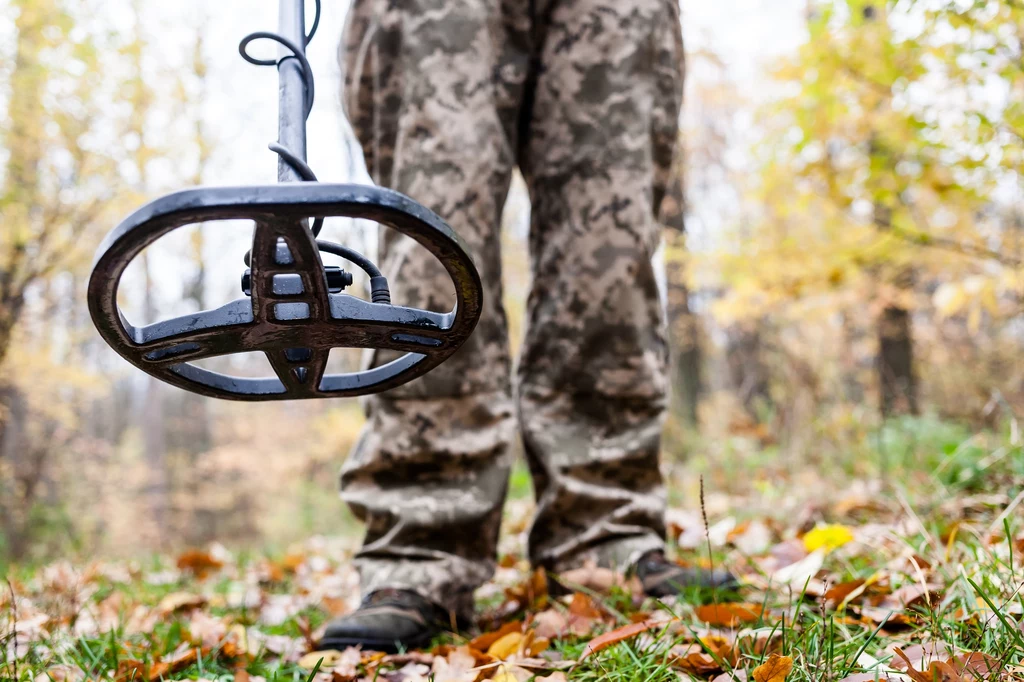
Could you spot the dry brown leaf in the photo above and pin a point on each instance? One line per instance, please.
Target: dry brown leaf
(837, 594)
(584, 614)
(594, 578)
(199, 563)
(937, 671)
(550, 624)
(894, 620)
(130, 670)
(775, 669)
(976, 665)
(332, 658)
(176, 602)
(459, 665)
(728, 615)
(920, 655)
(484, 641)
(619, 635)
(61, 673)
(694, 659)
(178, 660)
(732, 676)
(912, 595)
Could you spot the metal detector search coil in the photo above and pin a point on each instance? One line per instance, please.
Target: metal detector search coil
(294, 310)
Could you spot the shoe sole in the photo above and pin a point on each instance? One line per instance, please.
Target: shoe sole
(370, 644)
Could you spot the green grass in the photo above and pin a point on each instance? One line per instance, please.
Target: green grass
(935, 488)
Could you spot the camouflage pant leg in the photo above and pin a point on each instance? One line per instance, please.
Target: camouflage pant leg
(593, 378)
(433, 90)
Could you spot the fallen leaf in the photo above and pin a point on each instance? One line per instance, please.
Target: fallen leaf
(937, 671)
(775, 669)
(798, 575)
(61, 673)
(891, 618)
(867, 677)
(595, 579)
(828, 538)
(130, 670)
(921, 655)
(584, 615)
(550, 624)
(484, 641)
(911, 595)
(732, 676)
(840, 593)
(977, 665)
(178, 660)
(728, 615)
(176, 602)
(705, 657)
(199, 563)
(332, 658)
(506, 645)
(459, 665)
(618, 635)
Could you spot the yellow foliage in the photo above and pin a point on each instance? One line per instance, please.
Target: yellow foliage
(829, 538)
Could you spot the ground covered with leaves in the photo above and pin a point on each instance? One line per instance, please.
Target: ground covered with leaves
(916, 576)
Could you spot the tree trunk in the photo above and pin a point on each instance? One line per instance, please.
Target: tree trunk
(747, 371)
(684, 335)
(897, 382)
(153, 428)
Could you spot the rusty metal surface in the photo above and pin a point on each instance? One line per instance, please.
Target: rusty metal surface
(285, 325)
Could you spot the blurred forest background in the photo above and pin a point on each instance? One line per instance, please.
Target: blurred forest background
(852, 274)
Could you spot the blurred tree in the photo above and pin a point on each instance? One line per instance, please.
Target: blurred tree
(888, 152)
(52, 194)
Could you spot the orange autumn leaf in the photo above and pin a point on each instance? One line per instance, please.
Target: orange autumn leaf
(506, 645)
(199, 563)
(619, 635)
(486, 640)
(728, 615)
(775, 669)
(694, 659)
(837, 594)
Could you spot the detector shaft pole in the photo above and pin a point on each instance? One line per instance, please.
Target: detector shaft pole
(291, 122)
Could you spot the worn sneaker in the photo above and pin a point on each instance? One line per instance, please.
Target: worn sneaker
(389, 621)
(663, 578)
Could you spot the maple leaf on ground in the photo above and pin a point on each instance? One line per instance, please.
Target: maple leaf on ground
(775, 669)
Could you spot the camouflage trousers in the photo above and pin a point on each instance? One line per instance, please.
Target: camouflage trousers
(447, 98)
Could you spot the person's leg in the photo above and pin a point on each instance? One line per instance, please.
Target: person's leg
(593, 379)
(432, 91)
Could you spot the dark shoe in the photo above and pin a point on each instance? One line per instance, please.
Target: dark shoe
(387, 620)
(663, 578)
